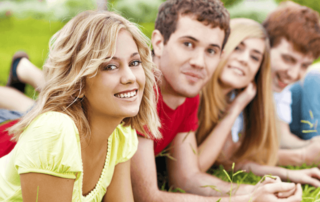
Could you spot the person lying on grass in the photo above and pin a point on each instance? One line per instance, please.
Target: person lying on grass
(14, 103)
(77, 141)
(188, 40)
(237, 115)
(294, 32)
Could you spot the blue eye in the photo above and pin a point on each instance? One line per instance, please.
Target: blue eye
(110, 67)
(135, 63)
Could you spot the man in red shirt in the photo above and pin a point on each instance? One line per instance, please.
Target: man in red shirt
(188, 43)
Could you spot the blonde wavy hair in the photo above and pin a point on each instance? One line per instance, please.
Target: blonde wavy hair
(76, 52)
(260, 142)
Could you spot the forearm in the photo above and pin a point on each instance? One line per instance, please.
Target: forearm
(217, 137)
(292, 157)
(208, 185)
(262, 170)
(163, 196)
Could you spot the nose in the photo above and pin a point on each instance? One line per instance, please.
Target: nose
(127, 76)
(244, 58)
(197, 60)
(293, 72)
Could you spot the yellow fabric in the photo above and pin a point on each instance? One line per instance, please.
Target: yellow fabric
(51, 145)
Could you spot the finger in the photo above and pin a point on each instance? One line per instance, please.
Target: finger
(297, 197)
(286, 194)
(312, 181)
(315, 172)
(268, 180)
(279, 187)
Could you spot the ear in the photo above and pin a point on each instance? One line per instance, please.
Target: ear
(157, 43)
(81, 95)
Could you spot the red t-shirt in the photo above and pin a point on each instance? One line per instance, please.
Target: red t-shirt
(6, 145)
(182, 119)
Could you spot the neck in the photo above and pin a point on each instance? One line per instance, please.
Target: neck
(226, 90)
(101, 128)
(169, 95)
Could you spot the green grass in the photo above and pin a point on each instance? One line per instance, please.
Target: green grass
(33, 36)
(29, 35)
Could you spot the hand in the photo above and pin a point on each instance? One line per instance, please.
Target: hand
(311, 153)
(275, 190)
(305, 176)
(243, 99)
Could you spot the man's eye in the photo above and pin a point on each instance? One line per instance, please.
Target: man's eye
(135, 63)
(188, 44)
(211, 51)
(110, 67)
(304, 66)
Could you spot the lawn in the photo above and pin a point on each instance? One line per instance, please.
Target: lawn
(33, 35)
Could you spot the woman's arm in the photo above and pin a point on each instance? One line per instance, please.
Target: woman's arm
(45, 188)
(209, 153)
(120, 189)
(305, 176)
(211, 147)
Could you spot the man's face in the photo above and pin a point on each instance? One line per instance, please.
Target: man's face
(287, 65)
(190, 56)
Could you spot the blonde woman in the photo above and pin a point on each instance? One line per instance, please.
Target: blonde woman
(76, 143)
(237, 117)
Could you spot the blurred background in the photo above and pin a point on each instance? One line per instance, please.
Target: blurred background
(28, 24)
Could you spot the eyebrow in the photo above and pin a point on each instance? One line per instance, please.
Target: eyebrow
(196, 40)
(254, 50)
(116, 58)
(288, 55)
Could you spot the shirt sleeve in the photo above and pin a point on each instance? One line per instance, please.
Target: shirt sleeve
(190, 122)
(49, 145)
(127, 143)
(283, 102)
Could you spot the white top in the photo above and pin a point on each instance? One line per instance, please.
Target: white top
(237, 127)
(283, 101)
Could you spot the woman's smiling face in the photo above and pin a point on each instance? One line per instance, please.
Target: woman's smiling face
(243, 63)
(117, 90)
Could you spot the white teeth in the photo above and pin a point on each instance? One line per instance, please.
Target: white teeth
(238, 71)
(126, 95)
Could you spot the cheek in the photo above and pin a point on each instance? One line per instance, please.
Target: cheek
(141, 78)
(254, 70)
(212, 66)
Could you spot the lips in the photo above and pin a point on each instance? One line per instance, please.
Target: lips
(280, 83)
(127, 94)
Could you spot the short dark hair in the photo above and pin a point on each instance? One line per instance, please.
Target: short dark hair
(298, 24)
(210, 12)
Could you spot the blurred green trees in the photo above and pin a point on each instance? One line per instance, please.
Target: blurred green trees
(314, 4)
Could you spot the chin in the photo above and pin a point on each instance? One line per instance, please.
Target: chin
(190, 93)
(131, 112)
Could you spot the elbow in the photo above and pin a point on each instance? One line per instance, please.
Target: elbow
(183, 180)
(146, 193)
(203, 167)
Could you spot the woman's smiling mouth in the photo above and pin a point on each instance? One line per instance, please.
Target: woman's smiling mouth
(127, 94)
